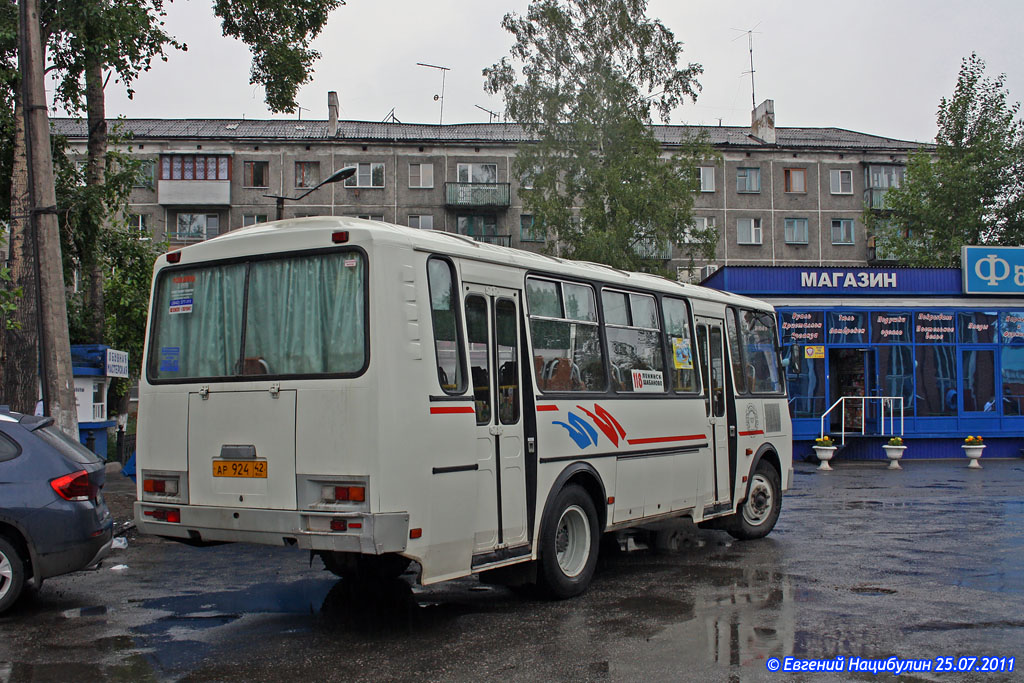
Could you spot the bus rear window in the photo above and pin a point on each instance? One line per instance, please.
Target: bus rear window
(303, 315)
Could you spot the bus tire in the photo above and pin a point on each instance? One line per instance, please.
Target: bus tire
(12, 574)
(757, 517)
(356, 566)
(569, 544)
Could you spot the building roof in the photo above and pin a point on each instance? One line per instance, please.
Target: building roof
(501, 133)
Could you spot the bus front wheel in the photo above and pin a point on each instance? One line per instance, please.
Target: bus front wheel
(357, 566)
(757, 517)
(568, 544)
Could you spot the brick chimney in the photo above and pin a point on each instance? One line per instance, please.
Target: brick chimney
(762, 122)
(332, 113)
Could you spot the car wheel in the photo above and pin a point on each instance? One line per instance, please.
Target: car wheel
(12, 574)
(569, 544)
(761, 510)
(356, 566)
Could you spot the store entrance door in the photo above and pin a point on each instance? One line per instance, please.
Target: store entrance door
(849, 373)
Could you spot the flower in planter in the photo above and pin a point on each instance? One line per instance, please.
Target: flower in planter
(896, 441)
(973, 441)
(824, 441)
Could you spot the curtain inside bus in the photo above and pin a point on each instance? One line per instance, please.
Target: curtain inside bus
(305, 315)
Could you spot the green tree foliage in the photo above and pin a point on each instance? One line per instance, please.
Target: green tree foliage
(583, 80)
(970, 190)
(278, 33)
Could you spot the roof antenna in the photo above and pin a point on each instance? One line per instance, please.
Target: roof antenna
(491, 114)
(438, 98)
(750, 45)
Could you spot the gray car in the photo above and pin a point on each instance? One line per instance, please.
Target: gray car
(52, 516)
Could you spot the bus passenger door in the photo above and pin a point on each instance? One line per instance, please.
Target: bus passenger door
(712, 368)
(492, 323)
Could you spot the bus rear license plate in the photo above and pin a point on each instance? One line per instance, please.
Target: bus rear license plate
(247, 469)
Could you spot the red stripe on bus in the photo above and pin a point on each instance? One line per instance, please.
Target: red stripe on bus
(541, 409)
(448, 410)
(665, 439)
(752, 433)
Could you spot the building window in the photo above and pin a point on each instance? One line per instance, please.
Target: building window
(307, 173)
(373, 217)
(420, 175)
(256, 173)
(748, 179)
(748, 231)
(252, 219)
(841, 181)
(796, 231)
(197, 226)
(138, 226)
(707, 178)
(842, 231)
(478, 173)
(529, 230)
(884, 176)
(146, 174)
(478, 226)
(700, 225)
(528, 177)
(795, 179)
(422, 222)
(194, 167)
(369, 175)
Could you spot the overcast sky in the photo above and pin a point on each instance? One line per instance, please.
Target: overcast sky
(875, 66)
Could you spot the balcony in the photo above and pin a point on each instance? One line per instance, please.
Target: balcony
(501, 240)
(194, 192)
(476, 195)
(648, 248)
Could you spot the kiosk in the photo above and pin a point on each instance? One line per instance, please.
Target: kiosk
(93, 366)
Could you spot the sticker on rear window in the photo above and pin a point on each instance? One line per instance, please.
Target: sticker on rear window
(169, 358)
(351, 263)
(181, 294)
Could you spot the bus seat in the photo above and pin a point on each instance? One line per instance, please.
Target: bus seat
(255, 366)
(561, 375)
(538, 365)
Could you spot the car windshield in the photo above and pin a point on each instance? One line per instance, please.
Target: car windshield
(67, 446)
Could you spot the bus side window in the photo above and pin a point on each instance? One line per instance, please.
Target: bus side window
(445, 319)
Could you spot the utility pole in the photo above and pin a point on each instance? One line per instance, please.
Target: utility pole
(56, 382)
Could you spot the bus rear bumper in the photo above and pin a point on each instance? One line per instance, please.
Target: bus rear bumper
(370, 534)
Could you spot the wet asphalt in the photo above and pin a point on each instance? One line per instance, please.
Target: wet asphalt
(921, 563)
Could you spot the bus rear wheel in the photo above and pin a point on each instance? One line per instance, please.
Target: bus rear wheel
(757, 517)
(357, 566)
(569, 544)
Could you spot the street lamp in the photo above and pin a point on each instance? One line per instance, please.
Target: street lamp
(340, 174)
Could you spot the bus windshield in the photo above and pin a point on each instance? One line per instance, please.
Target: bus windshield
(302, 315)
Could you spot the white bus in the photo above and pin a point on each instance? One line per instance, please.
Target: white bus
(380, 395)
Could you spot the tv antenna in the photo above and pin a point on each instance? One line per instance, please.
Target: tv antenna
(299, 109)
(391, 118)
(492, 114)
(750, 46)
(438, 98)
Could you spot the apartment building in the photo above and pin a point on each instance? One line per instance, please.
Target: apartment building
(777, 195)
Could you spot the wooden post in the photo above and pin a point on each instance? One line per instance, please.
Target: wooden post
(58, 387)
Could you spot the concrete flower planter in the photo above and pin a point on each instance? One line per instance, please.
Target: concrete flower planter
(973, 452)
(824, 454)
(894, 453)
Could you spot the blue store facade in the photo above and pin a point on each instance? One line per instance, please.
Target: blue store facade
(955, 357)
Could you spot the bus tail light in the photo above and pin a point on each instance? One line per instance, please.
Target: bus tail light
(172, 515)
(174, 257)
(338, 524)
(167, 486)
(339, 237)
(344, 494)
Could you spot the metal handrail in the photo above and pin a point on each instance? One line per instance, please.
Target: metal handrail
(886, 401)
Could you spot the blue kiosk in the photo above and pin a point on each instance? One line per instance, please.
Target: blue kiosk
(93, 366)
(934, 354)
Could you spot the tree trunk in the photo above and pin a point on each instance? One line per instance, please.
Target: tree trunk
(55, 347)
(20, 365)
(94, 178)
